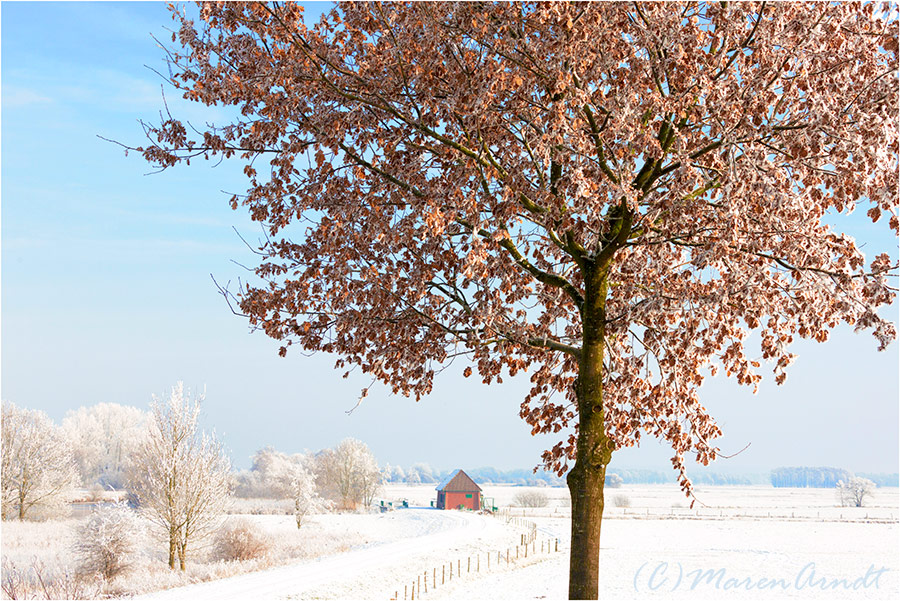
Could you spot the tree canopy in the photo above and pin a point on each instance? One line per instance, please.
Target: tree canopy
(609, 196)
(438, 174)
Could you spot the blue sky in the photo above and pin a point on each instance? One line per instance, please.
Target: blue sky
(107, 296)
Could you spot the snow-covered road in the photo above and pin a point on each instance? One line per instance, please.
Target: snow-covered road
(430, 533)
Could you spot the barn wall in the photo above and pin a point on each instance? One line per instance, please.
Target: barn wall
(455, 499)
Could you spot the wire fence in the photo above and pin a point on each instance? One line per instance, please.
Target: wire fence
(437, 576)
(872, 516)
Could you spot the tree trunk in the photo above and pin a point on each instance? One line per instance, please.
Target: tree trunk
(182, 551)
(586, 490)
(593, 449)
(172, 547)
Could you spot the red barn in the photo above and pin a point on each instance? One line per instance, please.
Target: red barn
(458, 491)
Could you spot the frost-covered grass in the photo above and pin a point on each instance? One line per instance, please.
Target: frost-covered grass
(51, 543)
(253, 506)
(754, 531)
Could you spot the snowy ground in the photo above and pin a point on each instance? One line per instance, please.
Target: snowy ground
(738, 542)
(409, 539)
(742, 543)
(713, 559)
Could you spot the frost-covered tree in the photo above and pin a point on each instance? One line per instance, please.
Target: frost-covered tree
(392, 473)
(610, 196)
(102, 438)
(349, 473)
(304, 493)
(424, 472)
(107, 542)
(397, 474)
(853, 492)
(283, 476)
(179, 474)
(37, 466)
(275, 471)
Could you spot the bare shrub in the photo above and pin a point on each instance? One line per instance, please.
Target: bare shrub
(107, 543)
(621, 501)
(531, 498)
(241, 541)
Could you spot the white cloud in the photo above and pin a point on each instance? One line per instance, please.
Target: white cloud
(14, 96)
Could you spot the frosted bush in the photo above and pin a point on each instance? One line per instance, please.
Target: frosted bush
(241, 541)
(107, 542)
(621, 501)
(531, 498)
(36, 581)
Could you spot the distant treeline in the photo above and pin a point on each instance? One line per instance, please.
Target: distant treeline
(422, 473)
(824, 477)
(803, 477)
(635, 476)
(882, 479)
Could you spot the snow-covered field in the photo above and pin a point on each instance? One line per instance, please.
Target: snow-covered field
(742, 542)
(411, 540)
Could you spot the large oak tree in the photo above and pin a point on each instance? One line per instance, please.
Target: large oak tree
(609, 196)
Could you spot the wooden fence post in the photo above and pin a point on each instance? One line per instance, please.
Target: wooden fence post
(442, 573)
(469, 565)
(426, 581)
(404, 592)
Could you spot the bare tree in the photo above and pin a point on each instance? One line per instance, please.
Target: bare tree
(349, 473)
(180, 475)
(854, 491)
(37, 465)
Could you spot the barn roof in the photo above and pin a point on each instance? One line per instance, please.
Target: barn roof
(458, 481)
